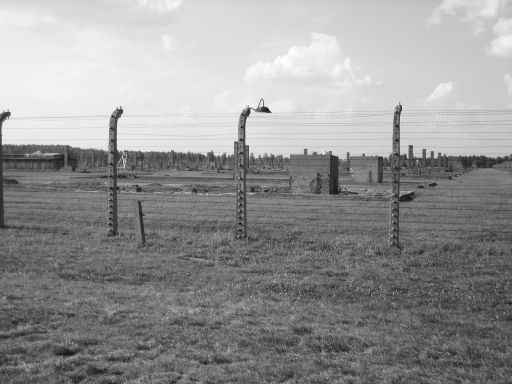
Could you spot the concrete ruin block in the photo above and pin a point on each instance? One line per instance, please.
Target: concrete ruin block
(367, 169)
(314, 173)
(380, 169)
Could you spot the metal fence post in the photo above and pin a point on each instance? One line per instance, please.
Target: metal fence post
(241, 166)
(394, 219)
(112, 172)
(3, 116)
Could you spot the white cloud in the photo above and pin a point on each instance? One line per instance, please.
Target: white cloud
(508, 81)
(160, 6)
(501, 46)
(321, 61)
(503, 27)
(169, 43)
(316, 76)
(442, 92)
(23, 19)
(475, 12)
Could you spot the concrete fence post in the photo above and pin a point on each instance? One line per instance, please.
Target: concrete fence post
(235, 161)
(394, 219)
(247, 158)
(241, 169)
(3, 116)
(112, 172)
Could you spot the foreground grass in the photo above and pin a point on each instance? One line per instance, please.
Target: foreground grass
(202, 307)
(320, 301)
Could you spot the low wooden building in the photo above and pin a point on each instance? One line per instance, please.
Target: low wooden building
(35, 161)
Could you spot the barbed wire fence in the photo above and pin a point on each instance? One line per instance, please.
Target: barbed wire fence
(448, 199)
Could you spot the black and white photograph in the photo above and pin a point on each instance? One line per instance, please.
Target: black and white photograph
(244, 191)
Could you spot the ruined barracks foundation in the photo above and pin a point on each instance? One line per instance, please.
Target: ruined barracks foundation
(314, 173)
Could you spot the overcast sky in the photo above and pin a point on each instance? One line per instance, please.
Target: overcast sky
(66, 57)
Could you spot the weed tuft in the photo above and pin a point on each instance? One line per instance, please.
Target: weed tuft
(302, 330)
(221, 359)
(65, 350)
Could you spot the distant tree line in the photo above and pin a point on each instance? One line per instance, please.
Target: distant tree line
(91, 158)
(151, 160)
(482, 161)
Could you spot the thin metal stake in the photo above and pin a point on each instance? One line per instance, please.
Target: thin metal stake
(139, 223)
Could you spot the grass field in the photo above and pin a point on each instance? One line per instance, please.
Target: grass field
(314, 295)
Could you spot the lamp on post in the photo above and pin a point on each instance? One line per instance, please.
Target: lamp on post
(241, 166)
